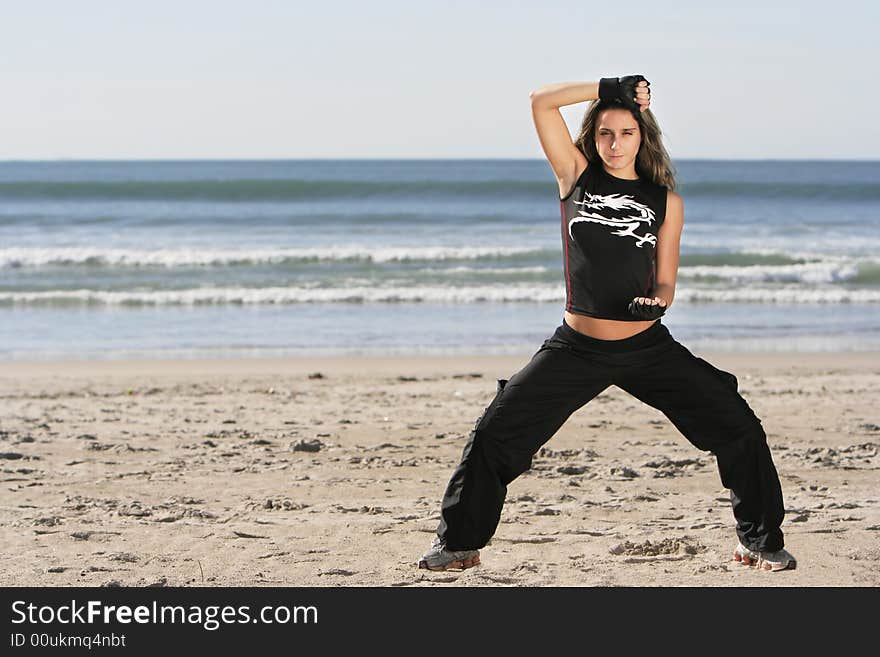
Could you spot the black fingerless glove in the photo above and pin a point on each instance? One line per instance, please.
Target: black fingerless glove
(645, 310)
(622, 90)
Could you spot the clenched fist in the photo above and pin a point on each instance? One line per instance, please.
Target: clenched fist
(632, 91)
(645, 308)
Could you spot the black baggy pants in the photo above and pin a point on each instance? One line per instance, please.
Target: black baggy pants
(568, 371)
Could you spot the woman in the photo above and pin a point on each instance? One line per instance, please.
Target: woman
(621, 227)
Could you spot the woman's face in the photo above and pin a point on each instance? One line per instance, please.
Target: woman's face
(618, 138)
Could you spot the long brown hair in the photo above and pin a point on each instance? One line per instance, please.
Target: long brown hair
(652, 161)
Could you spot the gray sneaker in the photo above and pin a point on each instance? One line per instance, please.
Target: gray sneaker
(439, 558)
(779, 560)
(772, 561)
(745, 556)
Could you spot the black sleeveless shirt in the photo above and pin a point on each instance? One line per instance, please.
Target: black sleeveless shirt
(609, 242)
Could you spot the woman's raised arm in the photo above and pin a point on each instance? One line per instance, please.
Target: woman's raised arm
(564, 157)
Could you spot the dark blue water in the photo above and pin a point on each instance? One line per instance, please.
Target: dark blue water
(114, 259)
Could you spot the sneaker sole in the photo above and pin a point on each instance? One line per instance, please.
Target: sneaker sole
(461, 564)
(745, 560)
(773, 568)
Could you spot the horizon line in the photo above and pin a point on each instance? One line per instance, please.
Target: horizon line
(408, 159)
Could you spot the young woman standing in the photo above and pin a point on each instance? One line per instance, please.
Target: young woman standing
(621, 225)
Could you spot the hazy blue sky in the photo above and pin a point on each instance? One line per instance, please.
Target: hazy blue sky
(176, 79)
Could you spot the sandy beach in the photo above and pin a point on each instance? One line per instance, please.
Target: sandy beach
(329, 472)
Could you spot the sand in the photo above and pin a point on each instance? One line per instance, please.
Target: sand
(329, 472)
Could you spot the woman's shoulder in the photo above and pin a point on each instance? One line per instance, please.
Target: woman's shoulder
(666, 192)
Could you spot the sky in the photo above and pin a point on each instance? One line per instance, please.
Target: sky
(182, 79)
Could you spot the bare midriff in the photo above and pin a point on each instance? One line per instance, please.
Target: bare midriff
(606, 329)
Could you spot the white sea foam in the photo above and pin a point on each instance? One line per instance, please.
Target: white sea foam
(486, 270)
(812, 272)
(429, 294)
(288, 295)
(811, 246)
(198, 256)
(791, 294)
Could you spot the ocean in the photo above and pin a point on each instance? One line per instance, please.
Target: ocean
(192, 259)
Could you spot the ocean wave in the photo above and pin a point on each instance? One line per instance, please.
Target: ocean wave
(297, 189)
(740, 258)
(417, 294)
(704, 237)
(813, 272)
(810, 190)
(769, 265)
(249, 190)
(793, 294)
(486, 271)
(289, 295)
(200, 257)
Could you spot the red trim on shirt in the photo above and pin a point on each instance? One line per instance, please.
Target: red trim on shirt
(565, 255)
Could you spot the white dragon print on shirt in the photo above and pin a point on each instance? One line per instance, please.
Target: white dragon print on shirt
(633, 214)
